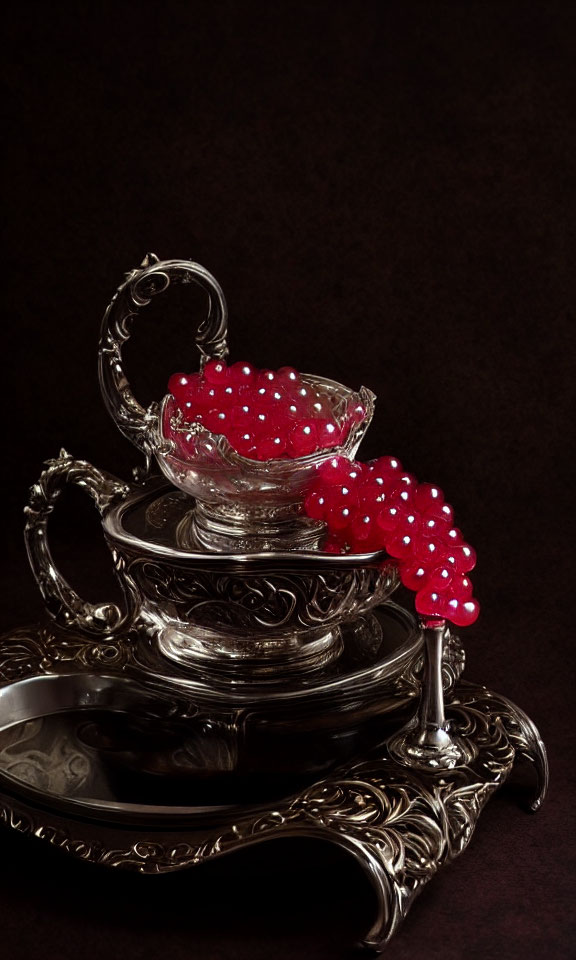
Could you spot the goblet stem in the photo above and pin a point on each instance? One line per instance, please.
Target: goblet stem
(426, 742)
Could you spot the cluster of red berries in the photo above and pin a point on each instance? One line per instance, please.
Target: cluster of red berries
(378, 506)
(264, 414)
(276, 415)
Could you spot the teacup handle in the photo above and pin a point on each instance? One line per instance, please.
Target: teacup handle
(151, 278)
(62, 602)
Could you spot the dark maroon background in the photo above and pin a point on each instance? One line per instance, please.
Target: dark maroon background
(386, 193)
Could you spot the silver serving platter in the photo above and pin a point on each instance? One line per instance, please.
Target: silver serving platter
(99, 766)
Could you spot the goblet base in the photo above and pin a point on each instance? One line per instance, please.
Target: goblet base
(246, 528)
(430, 749)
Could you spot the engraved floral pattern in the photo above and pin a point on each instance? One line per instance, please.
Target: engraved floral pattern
(400, 825)
(252, 602)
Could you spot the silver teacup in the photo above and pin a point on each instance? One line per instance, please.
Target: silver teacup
(264, 613)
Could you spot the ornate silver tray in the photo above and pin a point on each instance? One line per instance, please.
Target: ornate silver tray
(97, 766)
(251, 686)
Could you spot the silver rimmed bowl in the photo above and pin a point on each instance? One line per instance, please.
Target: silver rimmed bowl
(241, 504)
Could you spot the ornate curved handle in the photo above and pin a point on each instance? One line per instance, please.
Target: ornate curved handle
(61, 600)
(153, 277)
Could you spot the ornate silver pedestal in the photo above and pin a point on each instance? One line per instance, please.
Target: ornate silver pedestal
(251, 685)
(86, 732)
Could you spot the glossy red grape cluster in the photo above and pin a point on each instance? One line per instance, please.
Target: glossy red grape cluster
(378, 506)
(264, 414)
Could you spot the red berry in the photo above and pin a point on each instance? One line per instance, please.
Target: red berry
(266, 377)
(337, 470)
(386, 467)
(343, 494)
(303, 393)
(303, 439)
(463, 612)
(356, 414)
(208, 395)
(441, 578)
(320, 407)
(329, 434)
(441, 511)
(400, 545)
(377, 486)
(410, 523)
(388, 518)
(216, 372)
(452, 536)
(333, 470)
(242, 373)
(294, 410)
(271, 447)
(217, 421)
(288, 375)
(191, 412)
(315, 506)
(461, 587)
(434, 526)
(262, 422)
(241, 415)
(431, 603)
(429, 551)
(413, 575)
(244, 442)
(181, 385)
(427, 496)
(404, 487)
(362, 527)
(339, 517)
(461, 556)
(229, 396)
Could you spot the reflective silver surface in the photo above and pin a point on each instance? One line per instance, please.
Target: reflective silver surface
(61, 600)
(427, 741)
(250, 728)
(137, 290)
(258, 613)
(253, 687)
(248, 505)
(400, 825)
